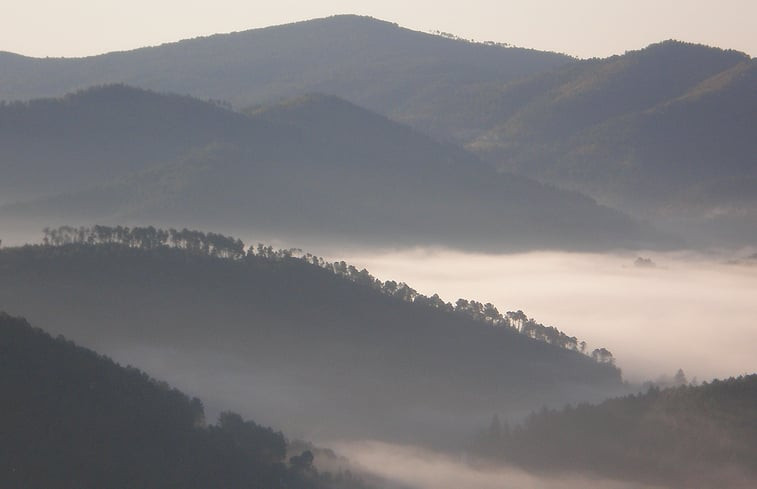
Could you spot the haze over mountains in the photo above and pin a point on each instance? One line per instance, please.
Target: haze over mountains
(666, 133)
(370, 62)
(311, 167)
(663, 133)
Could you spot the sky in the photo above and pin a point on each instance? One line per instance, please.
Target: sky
(582, 28)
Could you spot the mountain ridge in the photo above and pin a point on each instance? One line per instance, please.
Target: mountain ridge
(318, 351)
(316, 166)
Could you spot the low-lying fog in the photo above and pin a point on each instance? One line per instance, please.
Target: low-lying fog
(417, 468)
(682, 310)
(686, 310)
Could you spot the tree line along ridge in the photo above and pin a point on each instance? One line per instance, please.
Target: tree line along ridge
(228, 248)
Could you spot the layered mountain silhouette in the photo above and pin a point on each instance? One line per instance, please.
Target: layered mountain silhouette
(292, 343)
(660, 133)
(315, 166)
(371, 62)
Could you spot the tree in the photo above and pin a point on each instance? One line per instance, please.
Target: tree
(680, 378)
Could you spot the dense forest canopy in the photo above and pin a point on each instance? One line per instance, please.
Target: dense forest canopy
(73, 419)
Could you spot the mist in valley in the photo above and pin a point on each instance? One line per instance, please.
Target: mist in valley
(344, 254)
(686, 310)
(413, 467)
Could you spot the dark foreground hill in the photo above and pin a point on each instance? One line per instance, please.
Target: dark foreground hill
(72, 419)
(689, 436)
(321, 350)
(314, 167)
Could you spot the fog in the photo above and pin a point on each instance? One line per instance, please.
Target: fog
(418, 468)
(692, 311)
(689, 310)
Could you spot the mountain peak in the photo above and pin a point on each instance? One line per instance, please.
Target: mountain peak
(674, 47)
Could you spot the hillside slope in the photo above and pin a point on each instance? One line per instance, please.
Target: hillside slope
(313, 167)
(644, 132)
(296, 344)
(370, 62)
(688, 436)
(73, 419)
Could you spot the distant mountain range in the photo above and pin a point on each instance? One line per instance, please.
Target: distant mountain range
(311, 167)
(292, 343)
(666, 133)
(370, 62)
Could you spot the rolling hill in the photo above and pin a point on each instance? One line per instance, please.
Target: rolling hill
(314, 167)
(291, 341)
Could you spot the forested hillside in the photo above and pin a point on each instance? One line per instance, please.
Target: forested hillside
(59, 145)
(662, 133)
(688, 436)
(313, 168)
(320, 348)
(72, 419)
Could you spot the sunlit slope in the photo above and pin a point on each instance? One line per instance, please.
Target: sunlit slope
(293, 343)
(315, 166)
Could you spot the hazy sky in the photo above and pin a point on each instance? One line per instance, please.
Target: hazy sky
(582, 28)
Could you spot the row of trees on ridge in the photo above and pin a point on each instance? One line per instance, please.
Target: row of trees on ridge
(220, 246)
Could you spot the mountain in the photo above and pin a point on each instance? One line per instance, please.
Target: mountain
(687, 436)
(75, 419)
(370, 62)
(648, 132)
(316, 167)
(58, 145)
(323, 349)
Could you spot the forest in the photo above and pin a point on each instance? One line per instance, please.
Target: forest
(220, 246)
(685, 436)
(74, 419)
(522, 212)
(318, 344)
